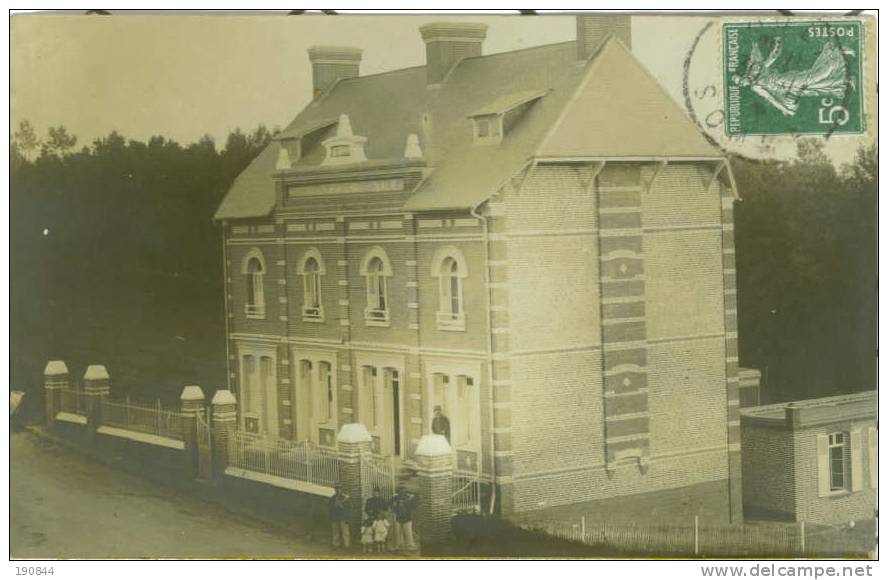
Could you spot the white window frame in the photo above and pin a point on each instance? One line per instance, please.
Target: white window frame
(311, 313)
(839, 440)
(381, 362)
(256, 280)
(445, 318)
(312, 394)
(453, 369)
(494, 124)
(263, 397)
(376, 285)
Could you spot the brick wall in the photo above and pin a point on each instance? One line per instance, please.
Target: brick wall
(768, 462)
(557, 408)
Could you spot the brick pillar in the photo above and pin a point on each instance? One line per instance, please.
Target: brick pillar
(191, 405)
(55, 378)
(435, 470)
(354, 444)
(96, 387)
(224, 423)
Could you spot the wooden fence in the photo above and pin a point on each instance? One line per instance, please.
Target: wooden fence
(696, 538)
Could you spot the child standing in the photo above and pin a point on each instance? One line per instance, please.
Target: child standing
(380, 532)
(367, 535)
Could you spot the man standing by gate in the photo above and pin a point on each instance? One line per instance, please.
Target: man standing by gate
(440, 423)
(404, 504)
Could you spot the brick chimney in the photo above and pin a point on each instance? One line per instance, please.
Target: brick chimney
(447, 43)
(593, 28)
(332, 63)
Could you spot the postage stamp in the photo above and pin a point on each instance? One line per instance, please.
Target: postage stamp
(792, 77)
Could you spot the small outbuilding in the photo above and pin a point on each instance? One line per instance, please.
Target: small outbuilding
(813, 460)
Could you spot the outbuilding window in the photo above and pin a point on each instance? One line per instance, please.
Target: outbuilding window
(838, 452)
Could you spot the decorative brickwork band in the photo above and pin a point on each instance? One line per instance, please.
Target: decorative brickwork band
(55, 380)
(732, 380)
(623, 323)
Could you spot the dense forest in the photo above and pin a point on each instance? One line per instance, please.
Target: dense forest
(115, 260)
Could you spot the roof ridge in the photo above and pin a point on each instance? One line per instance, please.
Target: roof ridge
(480, 56)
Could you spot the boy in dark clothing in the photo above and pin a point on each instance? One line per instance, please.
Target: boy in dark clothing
(340, 516)
(404, 504)
(375, 504)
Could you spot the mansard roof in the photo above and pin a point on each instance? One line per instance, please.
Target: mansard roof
(607, 107)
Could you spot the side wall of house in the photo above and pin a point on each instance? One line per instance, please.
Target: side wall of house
(638, 403)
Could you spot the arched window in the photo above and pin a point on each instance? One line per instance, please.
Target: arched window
(448, 266)
(311, 267)
(254, 276)
(376, 269)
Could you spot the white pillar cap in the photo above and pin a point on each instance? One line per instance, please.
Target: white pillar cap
(192, 393)
(95, 372)
(433, 446)
(56, 367)
(354, 433)
(224, 397)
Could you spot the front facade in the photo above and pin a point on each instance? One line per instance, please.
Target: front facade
(814, 460)
(538, 242)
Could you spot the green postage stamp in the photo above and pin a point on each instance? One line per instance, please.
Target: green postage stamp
(793, 77)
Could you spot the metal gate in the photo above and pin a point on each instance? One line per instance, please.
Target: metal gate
(204, 446)
(379, 471)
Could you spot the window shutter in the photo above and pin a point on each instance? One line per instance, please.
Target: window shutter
(822, 465)
(872, 438)
(856, 467)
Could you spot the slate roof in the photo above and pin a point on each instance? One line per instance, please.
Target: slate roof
(629, 115)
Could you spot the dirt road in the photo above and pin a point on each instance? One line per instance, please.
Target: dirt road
(66, 505)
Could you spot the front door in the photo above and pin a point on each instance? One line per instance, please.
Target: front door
(381, 408)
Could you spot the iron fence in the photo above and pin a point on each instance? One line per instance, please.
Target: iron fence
(300, 461)
(143, 419)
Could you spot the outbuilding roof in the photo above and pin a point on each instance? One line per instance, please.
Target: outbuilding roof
(609, 107)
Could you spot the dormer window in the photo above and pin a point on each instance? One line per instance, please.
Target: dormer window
(340, 151)
(488, 129)
(344, 147)
(492, 122)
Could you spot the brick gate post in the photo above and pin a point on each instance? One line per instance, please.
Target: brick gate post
(55, 379)
(96, 388)
(354, 444)
(435, 471)
(223, 426)
(191, 402)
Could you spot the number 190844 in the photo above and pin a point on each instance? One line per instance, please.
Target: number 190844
(34, 571)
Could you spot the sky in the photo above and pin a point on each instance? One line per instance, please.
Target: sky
(183, 76)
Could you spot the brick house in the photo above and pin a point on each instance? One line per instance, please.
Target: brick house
(538, 241)
(812, 460)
